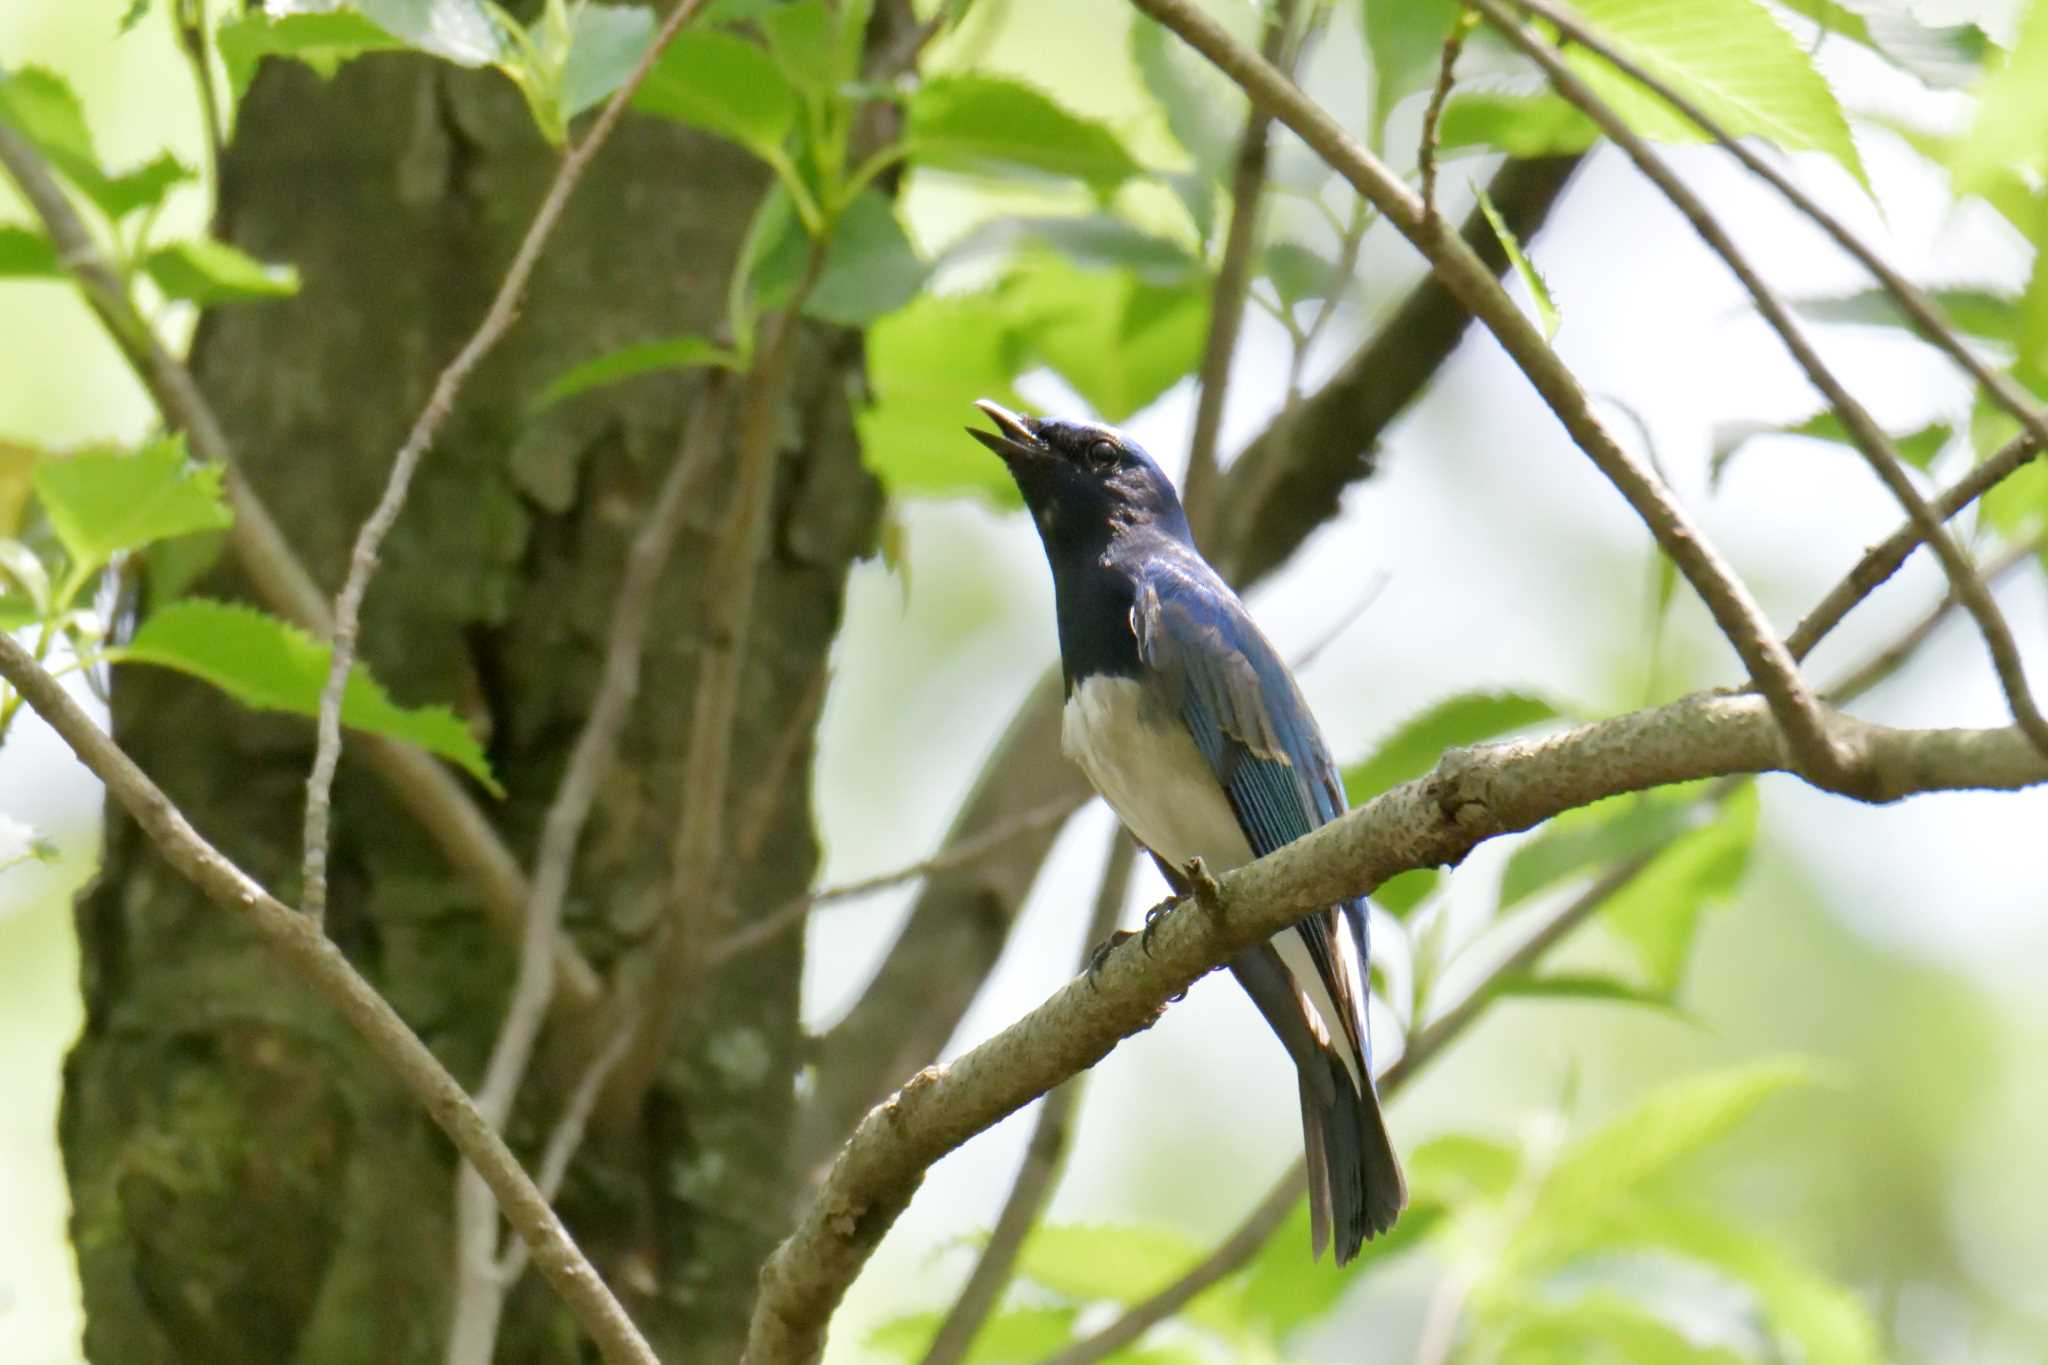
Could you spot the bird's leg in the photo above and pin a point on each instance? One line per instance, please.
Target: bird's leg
(1152, 918)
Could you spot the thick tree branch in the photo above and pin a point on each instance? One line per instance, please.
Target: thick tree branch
(1734, 610)
(300, 943)
(497, 320)
(1883, 559)
(424, 788)
(1472, 795)
(480, 1289)
(1042, 1156)
(1864, 433)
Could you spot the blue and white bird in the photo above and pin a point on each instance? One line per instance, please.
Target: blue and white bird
(1188, 723)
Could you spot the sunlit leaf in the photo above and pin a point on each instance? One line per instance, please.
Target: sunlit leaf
(1092, 241)
(205, 272)
(1413, 748)
(1658, 912)
(870, 266)
(18, 460)
(1120, 342)
(1520, 125)
(1204, 111)
(27, 254)
(1103, 1261)
(1591, 987)
(1012, 1338)
(927, 363)
(1525, 269)
(1456, 1168)
(804, 39)
(1284, 1287)
(724, 85)
(1979, 312)
(990, 125)
(321, 41)
(2010, 133)
(1732, 59)
(605, 43)
(103, 502)
(1405, 41)
(1595, 836)
(268, 664)
(460, 31)
(1602, 1325)
(1946, 57)
(40, 105)
(643, 357)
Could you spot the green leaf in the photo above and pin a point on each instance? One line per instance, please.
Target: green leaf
(1299, 274)
(1587, 986)
(1602, 1325)
(1121, 1263)
(927, 363)
(208, 272)
(1399, 894)
(1979, 312)
(804, 40)
(1204, 110)
(1284, 1288)
(1405, 41)
(1614, 1161)
(1097, 241)
(460, 31)
(1532, 279)
(102, 502)
(1417, 743)
(605, 43)
(1455, 1169)
(1731, 59)
(724, 85)
(870, 266)
(27, 254)
(320, 41)
(641, 357)
(41, 106)
(1597, 835)
(265, 663)
(1917, 448)
(20, 843)
(1520, 125)
(989, 125)
(1120, 342)
(1658, 912)
(1947, 58)
(2010, 133)
(1012, 1338)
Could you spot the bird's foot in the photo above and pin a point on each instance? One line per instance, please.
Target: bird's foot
(1152, 918)
(1102, 952)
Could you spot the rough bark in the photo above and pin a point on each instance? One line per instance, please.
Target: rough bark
(247, 1185)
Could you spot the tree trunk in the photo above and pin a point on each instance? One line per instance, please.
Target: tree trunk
(248, 1185)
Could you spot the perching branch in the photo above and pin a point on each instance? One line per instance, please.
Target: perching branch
(1042, 1156)
(1864, 433)
(307, 951)
(1471, 796)
(498, 319)
(1734, 609)
(480, 1289)
(423, 787)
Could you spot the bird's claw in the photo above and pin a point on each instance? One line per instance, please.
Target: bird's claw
(1102, 952)
(1152, 918)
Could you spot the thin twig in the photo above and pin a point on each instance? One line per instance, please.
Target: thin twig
(1729, 600)
(1348, 248)
(1446, 75)
(1864, 433)
(1918, 306)
(1376, 585)
(323, 967)
(1888, 660)
(497, 320)
(480, 1291)
(1883, 559)
(1233, 281)
(424, 788)
(1042, 1157)
(188, 21)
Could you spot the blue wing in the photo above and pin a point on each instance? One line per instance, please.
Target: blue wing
(1228, 685)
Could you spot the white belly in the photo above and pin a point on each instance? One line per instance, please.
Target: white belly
(1160, 786)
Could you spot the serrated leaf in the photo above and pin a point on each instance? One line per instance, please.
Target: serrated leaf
(1658, 912)
(605, 43)
(991, 125)
(1414, 747)
(2010, 133)
(1118, 1262)
(724, 85)
(1405, 41)
(1525, 269)
(627, 362)
(268, 664)
(1011, 1338)
(103, 502)
(460, 31)
(1118, 341)
(1097, 241)
(1947, 57)
(207, 272)
(1980, 312)
(1611, 1163)
(927, 363)
(870, 266)
(320, 41)
(1520, 125)
(1732, 59)
(40, 105)
(1595, 836)
(1284, 1288)
(27, 254)
(1917, 448)
(1204, 111)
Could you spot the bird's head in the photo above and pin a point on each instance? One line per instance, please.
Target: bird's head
(1083, 482)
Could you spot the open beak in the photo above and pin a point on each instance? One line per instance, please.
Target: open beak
(1013, 437)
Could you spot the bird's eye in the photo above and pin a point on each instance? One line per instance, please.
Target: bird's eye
(1102, 455)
